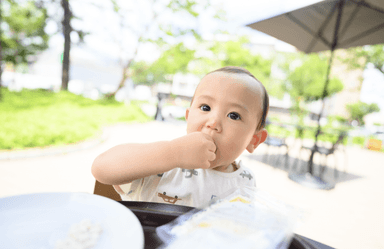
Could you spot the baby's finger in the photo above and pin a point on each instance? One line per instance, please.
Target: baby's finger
(211, 156)
(206, 165)
(212, 146)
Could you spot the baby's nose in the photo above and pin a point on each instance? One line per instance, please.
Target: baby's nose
(214, 124)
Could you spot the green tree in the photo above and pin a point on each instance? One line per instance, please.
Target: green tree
(174, 59)
(67, 29)
(307, 80)
(211, 55)
(22, 31)
(23, 34)
(238, 53)
(156, 25)
(204, 57)
(360, 57)
(360, 109)
(306, 75)
(63, 16)
(1, 48)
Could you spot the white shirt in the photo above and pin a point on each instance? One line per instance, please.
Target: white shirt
(187, 187)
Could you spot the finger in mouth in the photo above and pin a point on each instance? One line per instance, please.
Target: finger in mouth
(215, 145)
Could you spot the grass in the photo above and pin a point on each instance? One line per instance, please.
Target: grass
(39, 118)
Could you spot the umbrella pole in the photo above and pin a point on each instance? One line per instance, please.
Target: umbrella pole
(314, 149)
(308, 179)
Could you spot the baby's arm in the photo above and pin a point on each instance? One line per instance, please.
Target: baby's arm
(127, 162)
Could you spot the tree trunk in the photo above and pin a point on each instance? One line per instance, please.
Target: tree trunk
(124, 77)
(121, 85)
(67, 43)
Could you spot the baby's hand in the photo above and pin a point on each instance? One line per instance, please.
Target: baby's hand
(195, 150)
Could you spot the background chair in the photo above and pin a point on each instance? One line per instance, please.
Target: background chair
(299, 136)
(325, 152)
(278, 142)
(106, 191)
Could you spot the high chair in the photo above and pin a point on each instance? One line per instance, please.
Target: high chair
(106, 191)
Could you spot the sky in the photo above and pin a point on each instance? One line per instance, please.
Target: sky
(239, 14)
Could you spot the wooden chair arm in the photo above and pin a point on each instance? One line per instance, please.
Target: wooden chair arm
(106, 191)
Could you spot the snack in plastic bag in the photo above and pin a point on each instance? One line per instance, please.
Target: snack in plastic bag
(247, 218)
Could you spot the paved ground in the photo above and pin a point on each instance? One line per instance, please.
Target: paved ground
(349, 216)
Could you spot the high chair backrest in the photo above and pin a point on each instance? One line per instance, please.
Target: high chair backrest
(106, 191)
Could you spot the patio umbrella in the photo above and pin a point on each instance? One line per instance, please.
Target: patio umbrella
(327, 25)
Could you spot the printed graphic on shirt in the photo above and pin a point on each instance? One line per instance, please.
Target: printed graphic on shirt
(240, 199)
(246, 174)
(168, 199)
(190, 172)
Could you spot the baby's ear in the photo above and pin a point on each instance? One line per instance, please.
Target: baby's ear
(257, 139)
(186, 114)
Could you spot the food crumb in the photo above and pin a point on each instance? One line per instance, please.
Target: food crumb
(82, 235)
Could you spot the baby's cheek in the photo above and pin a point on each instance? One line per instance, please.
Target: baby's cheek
(226, 150)
(237, 147)
(232, 145)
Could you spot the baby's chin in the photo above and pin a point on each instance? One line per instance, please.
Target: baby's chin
(217, 165)
(213, 164)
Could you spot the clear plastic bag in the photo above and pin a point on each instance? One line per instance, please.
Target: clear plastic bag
(245, 218)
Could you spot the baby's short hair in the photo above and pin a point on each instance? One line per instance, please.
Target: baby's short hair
(240, 70)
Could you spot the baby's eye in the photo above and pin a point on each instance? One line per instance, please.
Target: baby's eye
(234, 116)
(205, 108)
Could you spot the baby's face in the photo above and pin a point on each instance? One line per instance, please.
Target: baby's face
(227, 107)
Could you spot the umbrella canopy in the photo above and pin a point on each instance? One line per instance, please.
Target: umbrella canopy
(316, 27)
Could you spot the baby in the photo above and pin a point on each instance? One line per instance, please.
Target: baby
(227, 116)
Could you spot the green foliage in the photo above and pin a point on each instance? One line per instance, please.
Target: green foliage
(212, 55)
(358, 140)
(278, 131)
(235, 53)
(23, 32)
(188, 6)
(178, 58)
(306, 76)
(358, 110)
(308, 79)
(159, 29)
(360, 57)
(173, 60)
(306, 132)
(38, 118)
(275, 87)
(116, 7)
(341, 119)
(328, 134)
